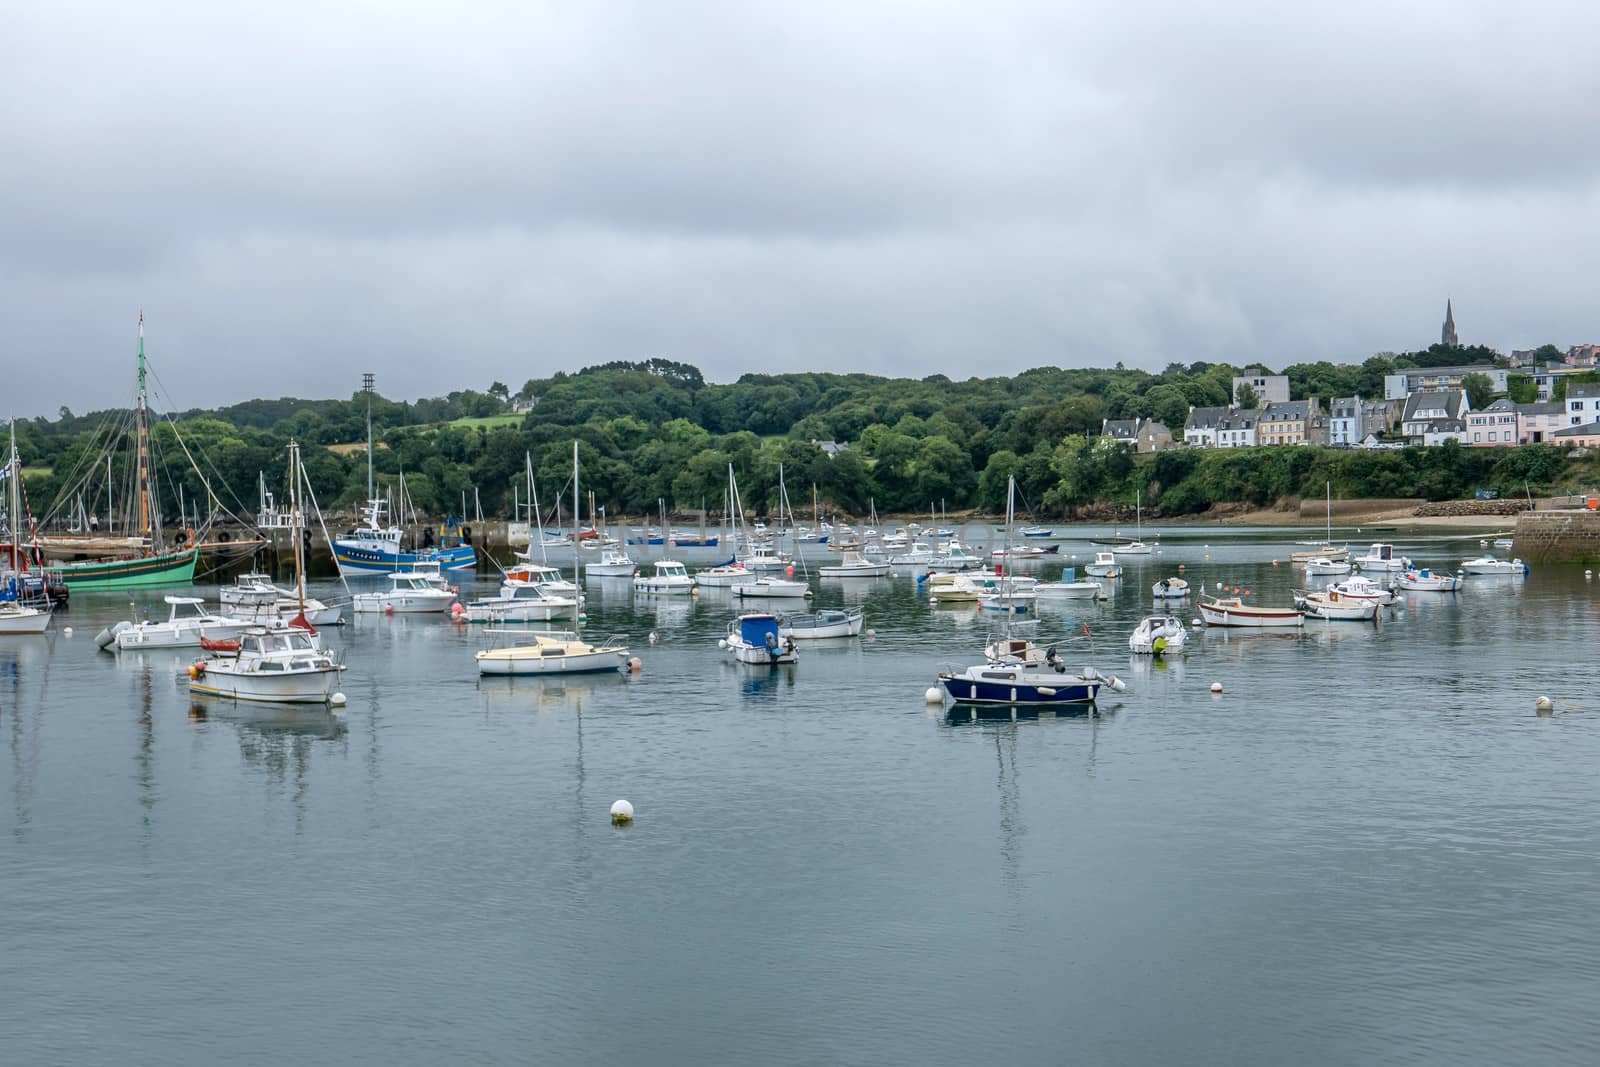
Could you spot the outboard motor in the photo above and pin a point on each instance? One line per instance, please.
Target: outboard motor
(107, 637)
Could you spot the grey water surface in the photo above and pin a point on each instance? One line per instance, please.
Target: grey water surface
(1368, 849)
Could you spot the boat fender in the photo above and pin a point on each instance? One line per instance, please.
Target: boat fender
(1046, 691)
(1159, 645)
(197, 668)
(180, 538)
(771, 640)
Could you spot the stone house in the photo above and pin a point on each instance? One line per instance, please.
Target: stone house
(1152, 436)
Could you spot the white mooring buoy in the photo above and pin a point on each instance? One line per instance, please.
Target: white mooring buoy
(621, 813)
(337, 700)
(1543, 704)
(933, 695)
(67, 630)
(1216, 687)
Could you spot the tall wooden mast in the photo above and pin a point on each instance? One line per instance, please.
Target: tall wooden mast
(142, 421)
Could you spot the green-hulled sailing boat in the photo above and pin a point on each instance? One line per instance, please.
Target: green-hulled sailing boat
(139, 561)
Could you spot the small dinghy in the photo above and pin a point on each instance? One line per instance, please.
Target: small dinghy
(1326, 565)
(1428, 581)
(1336, 607)
(1232, 611)
(770, 588)
(1170, 589)
(822, 624)
(754, 638)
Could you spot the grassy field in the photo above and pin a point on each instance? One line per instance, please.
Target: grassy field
(35, 472)
(488, 421)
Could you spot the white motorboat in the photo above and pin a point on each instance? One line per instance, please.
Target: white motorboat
(1105, 565)
(952, 588)
(1326, 565)
(552, 653)
(1503, 542)
(521, 602)
(821, 624)
(1232, 611)
(1428, 581)
(186, 623)
(957, 557)
(20, 619)
(1380, 558)
(671, 578)
(1335, 606)
(1157, 635)
(771, 587)
(854, 565)
(754, 638)
(1491, 565)
(764, 559)
(723, 575)
(430, 571)
(279, 665)
(1170, 589)
(1357, 587)
(1022, 674)
(407, 593)
(540, 574)
(613, 563)
(254, 588)
(920, 554)
(278, 612)
(1022, 552)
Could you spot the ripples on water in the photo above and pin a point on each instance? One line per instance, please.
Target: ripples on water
(1368, 849)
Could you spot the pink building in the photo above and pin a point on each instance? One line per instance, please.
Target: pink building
(1585, 436)
(1537, 423)
(1496, 426)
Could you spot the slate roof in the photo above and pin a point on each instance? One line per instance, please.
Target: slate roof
(1205, 418)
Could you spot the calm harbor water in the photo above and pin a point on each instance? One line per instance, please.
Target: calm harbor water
(1368, 849)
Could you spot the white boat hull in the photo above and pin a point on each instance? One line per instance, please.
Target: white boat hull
(609, 570)
(22, 620)
(760, 655)
(1265, 618)
(165, 635)
(402, 603)
(874, 570)
(768, 589)
(1068, 590)
(220, 679)
(663, 586)
(494, 663)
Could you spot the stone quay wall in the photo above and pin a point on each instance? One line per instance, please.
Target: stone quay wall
(1558, 536)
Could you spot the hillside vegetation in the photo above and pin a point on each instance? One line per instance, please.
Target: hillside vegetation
(658, 430)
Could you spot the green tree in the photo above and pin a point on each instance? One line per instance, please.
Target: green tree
(1479, 389)
(1245, 397)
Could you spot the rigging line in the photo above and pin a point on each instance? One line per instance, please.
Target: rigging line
(118, 422)
(161, 391)
(322, 522)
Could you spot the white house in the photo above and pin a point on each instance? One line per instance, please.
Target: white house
(1423, 408)
(1583, 403)
(1200, 429)
(1438, 431)
(1238, 429)
(1493, 427)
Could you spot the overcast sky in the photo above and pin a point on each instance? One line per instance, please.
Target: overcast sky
(450, 194)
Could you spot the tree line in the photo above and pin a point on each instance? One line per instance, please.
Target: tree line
(657, 431)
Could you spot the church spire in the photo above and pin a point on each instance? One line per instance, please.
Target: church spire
(1447, 336)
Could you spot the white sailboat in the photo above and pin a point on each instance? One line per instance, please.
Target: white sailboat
(16, 617)
(731, 573)
(1138, 546)
(187, 622)
(1327, 551)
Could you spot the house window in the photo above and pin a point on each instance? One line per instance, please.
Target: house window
(1577, 405)
(1491, 435)
(1477, 437)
